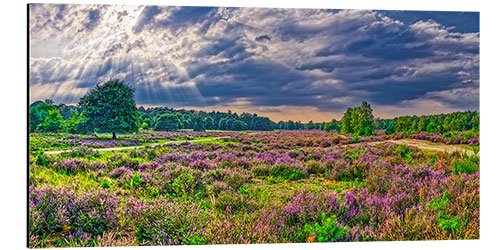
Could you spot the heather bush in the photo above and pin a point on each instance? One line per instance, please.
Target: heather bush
(70, 166)
(379, 178)
(62, 210)
(170, 223)
(315, 167)
(232, 202)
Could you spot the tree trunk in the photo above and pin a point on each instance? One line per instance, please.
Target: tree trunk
(114, 136)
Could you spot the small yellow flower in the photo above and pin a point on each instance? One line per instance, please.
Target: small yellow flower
(66, 229)
(311, 238)
(421, 192)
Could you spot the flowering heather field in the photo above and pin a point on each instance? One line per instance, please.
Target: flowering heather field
(262, 187)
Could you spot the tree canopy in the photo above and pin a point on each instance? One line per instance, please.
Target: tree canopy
(358, 120)
(110, 107)
(168, 122)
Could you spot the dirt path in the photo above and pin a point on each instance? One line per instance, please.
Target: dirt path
(135, 147)
(427, 145)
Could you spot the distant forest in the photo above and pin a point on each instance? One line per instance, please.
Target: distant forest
(45, 116)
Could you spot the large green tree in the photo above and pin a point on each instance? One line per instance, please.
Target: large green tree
(110, 107)
(358, 120)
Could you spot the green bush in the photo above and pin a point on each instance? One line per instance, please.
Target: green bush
(280, 171)
(467, 164)
(329, 230)
(187, 184)
(454, 224)
(287, 172)
(355, 139)
(135, 181)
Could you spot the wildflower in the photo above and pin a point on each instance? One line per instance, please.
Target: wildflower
(311, 238)
(421, 192)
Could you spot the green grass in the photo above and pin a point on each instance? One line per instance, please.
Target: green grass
(217, 141)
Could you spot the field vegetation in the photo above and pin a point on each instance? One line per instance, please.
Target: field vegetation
(265, 187)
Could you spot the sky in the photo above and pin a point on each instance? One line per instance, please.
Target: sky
(298, 64)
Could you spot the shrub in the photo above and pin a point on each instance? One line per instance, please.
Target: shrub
(379, 178)
(186, 183)
(232, 202)
(43, 160)
(56, 210)
(169, 223)
(290, 172)
(451, 225)
(70, 166)
(355, 139)
(315, 167)
(467, 164)
(329, 230)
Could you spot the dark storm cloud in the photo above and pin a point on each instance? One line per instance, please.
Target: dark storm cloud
(199, 56)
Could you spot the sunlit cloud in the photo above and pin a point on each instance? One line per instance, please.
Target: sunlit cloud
(286, 60)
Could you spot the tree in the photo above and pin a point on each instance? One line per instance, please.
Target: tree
(367, 119)
(346, 121)
(168, 122)
(358, 120)
(403, 124)
(456, 125)
(222, 123)
(198, 124)
(239, 125)
(310, 125)
(37, 115)
(431, 127)
(110, 107)
(209, 122)
(390, 128)
(229, 123)
(323, 126)
(474, 123)
(331, 126)
(74, 123)
(53, 122)
(422, 123)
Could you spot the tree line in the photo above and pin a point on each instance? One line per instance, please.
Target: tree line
(440, 123)
(361, 122)
(110, 107)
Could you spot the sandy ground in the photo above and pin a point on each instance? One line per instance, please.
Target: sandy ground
(428, 145)
(135, 147)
